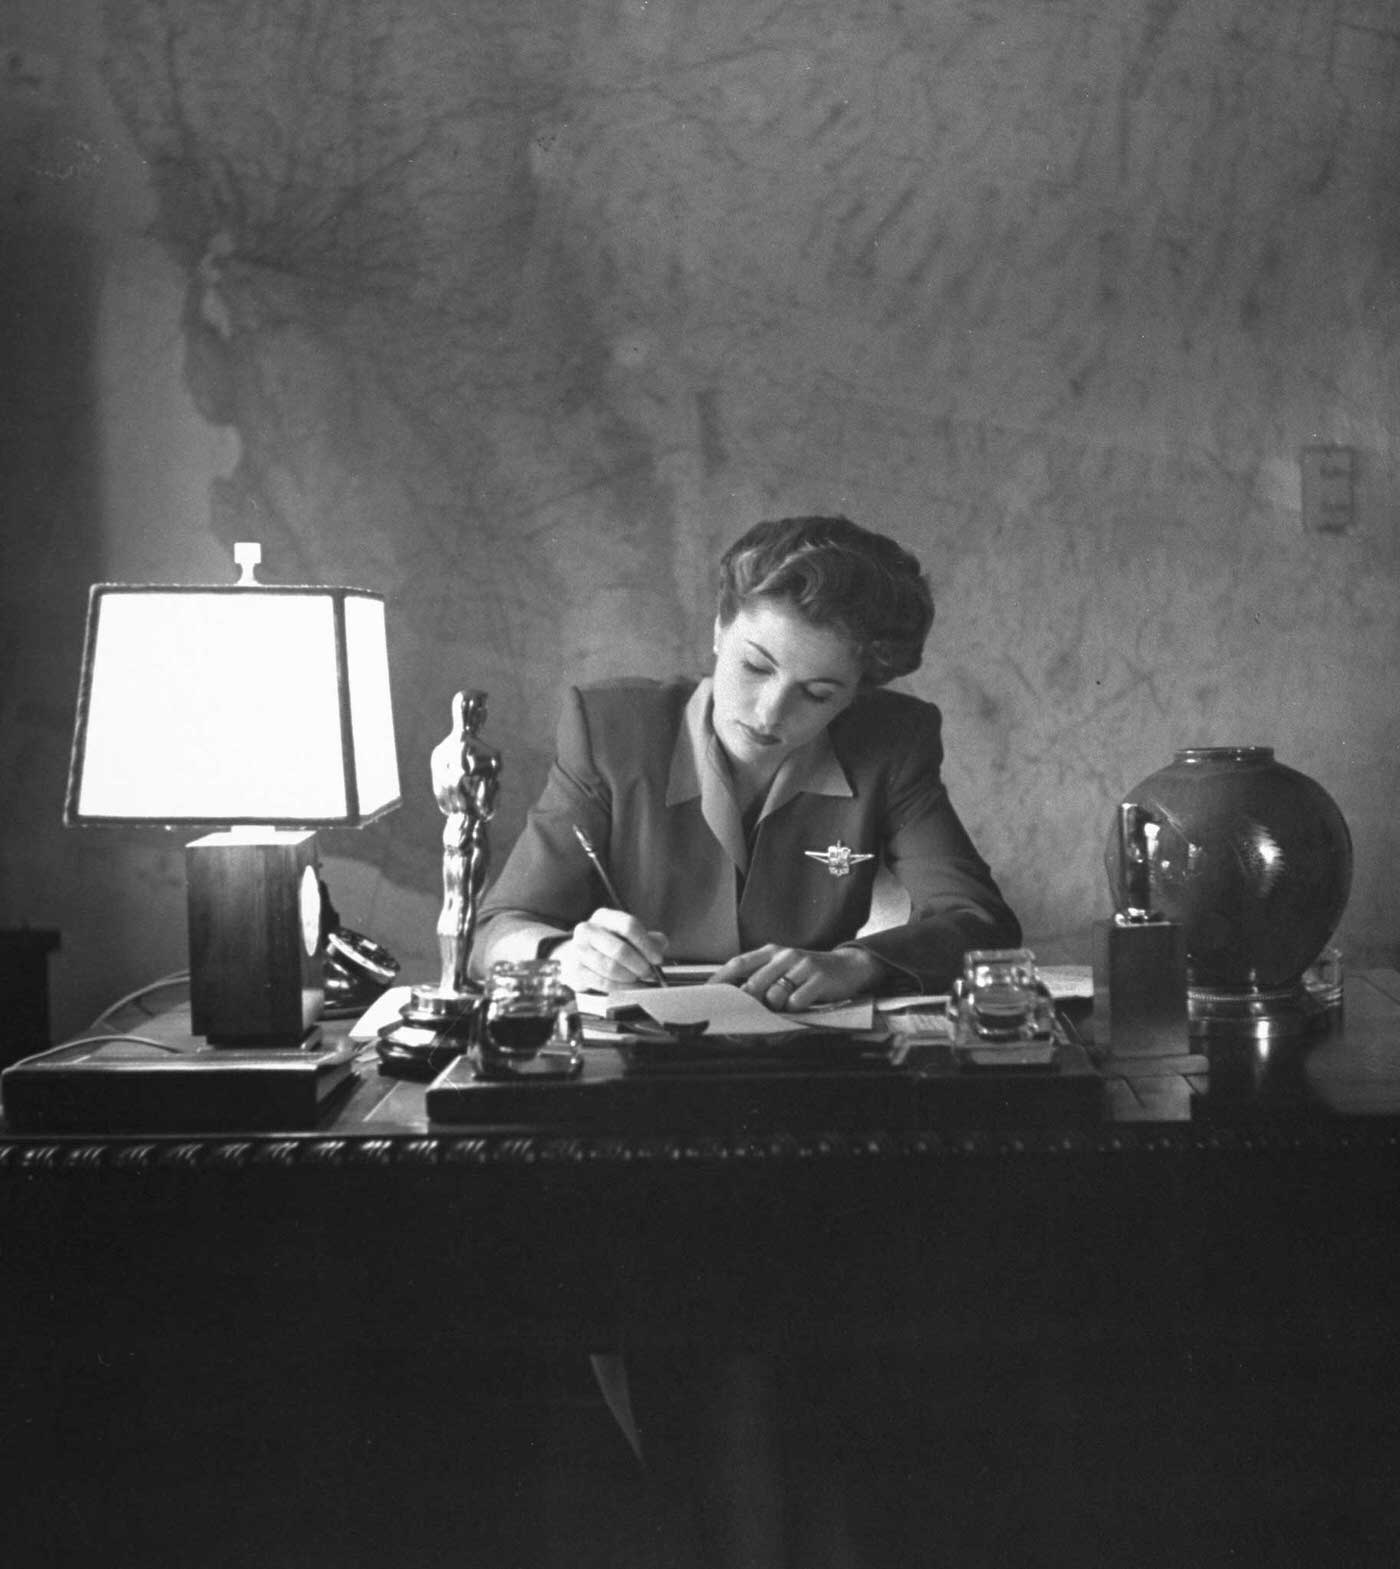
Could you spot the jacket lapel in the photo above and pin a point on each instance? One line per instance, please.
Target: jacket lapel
(811, 793)
(697, 769)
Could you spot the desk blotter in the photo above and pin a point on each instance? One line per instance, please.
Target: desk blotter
(864, 1091)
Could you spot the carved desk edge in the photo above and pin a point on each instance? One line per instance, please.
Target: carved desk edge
(409, 1148)
(79, 1155)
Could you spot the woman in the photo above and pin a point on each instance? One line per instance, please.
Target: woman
(743, 818)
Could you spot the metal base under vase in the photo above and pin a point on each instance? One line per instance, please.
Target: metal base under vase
(1260, 1013)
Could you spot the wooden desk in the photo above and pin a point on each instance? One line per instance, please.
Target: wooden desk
(1188, 1197)
(1177, 1295)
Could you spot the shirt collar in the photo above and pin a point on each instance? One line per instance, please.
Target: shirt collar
(814, 769)
(698, 769)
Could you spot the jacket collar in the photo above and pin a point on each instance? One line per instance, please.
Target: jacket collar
(698, 768)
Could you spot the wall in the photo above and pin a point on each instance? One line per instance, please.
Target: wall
(519, 311)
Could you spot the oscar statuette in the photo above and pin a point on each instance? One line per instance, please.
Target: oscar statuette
(440, 1021)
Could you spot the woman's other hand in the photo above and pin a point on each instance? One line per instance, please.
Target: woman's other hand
(790, 979)
(610, 951)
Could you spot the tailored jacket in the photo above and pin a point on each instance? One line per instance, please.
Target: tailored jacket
(639, 769)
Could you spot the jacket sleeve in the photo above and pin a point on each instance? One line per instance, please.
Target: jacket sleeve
(546, 882)
(955, 904)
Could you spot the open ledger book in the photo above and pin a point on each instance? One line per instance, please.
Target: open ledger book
(726, 1010)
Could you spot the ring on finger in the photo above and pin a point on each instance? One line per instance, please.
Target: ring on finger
(786, 981)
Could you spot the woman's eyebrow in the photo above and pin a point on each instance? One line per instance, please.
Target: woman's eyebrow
(758, 648)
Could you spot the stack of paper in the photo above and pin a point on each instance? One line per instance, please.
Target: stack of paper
(725, 1010)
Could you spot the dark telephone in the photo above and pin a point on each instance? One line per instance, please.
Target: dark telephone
(358, 970)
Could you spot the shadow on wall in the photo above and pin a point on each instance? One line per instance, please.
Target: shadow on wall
(107, 898)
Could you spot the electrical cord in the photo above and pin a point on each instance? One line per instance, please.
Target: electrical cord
(134, 998)
(138, 1040)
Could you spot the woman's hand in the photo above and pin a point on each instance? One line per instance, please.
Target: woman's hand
(790, 979)
(609, 951)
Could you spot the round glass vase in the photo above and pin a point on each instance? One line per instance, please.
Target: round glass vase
(1253, 860)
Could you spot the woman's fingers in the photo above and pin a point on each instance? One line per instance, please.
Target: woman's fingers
(790, 979)
(611, 949)
(781, 978)
(737, 971)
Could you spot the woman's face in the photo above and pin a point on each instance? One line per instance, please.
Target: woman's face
(779, 681)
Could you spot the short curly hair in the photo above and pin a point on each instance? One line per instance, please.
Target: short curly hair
(838, 575)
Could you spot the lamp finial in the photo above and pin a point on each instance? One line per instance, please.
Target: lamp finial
(247, 554)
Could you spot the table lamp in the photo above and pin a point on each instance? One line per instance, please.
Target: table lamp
(265, 710)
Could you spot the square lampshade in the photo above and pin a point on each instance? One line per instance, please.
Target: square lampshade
(263, 710)
(241, 704)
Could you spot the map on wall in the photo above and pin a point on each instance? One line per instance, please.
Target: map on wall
(521, 310)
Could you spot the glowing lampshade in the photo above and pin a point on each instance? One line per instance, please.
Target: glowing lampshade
(234, 705)
(253, 706)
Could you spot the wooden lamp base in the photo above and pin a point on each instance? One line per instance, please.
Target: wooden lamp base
(257, 960)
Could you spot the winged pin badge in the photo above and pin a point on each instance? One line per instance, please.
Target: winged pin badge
(838, 858)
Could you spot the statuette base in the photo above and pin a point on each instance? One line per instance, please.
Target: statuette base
(434, 1028)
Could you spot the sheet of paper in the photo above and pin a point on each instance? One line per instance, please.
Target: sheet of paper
(1067, 980)
(384, 1010)
(728, 1010)
(918, 1024)
(913, 1001)
(687, 974)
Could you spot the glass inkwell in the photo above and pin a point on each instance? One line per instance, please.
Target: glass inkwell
(1002, 1012)
(529, 1023)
